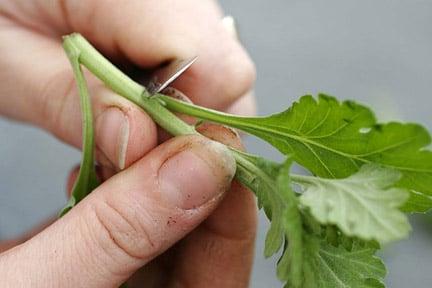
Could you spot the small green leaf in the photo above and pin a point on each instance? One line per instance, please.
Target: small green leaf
(290, 264)
(259, 175)
(363, 205)
(308, 259)
(271, 183)
(327, 266)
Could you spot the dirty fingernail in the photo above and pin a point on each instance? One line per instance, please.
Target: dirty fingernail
(199, 174)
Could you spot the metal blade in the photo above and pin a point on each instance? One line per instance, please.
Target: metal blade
(166, 75)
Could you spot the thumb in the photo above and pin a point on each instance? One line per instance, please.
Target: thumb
(130, 219)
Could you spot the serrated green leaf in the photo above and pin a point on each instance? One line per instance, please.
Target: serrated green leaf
(271, 183)
(290, 264)
(327, 266)
(334, 139)
(259, 175)
(363, 205)
(308, 260)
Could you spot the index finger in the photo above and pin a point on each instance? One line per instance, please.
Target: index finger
(149, 33)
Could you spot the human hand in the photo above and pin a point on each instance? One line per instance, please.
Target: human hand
(38, 87)
(139, 213)
(37, 84)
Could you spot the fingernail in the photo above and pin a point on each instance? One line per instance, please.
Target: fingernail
(112, 135)
(199, 174)
(229, 24)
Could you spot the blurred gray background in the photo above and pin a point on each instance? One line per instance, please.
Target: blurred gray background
(375, 51)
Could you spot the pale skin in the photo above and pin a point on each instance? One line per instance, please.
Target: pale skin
(169, 217)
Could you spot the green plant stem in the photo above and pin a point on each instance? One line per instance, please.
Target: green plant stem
(201, 112)
(125, 86)
(304, 179)
(87, 179)
(154, 106)
(244, 164)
